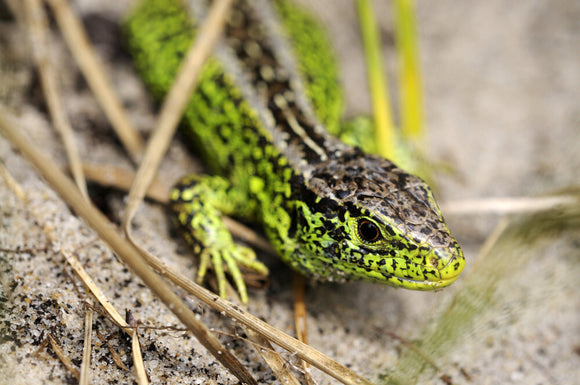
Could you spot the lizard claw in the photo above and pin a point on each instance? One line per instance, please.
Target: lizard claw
(232, 257)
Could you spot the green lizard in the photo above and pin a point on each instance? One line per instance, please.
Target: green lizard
(331, 211)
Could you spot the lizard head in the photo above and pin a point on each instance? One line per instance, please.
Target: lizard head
(365, 219)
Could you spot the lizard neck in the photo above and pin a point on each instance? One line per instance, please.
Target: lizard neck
(266, 74)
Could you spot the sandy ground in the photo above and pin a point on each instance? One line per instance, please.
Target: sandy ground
(502, 85)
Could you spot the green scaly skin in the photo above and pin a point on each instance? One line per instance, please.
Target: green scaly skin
(330, 210)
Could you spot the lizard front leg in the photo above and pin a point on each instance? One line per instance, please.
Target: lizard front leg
(198, 204)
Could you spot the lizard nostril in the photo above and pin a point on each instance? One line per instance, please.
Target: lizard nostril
(434, 262)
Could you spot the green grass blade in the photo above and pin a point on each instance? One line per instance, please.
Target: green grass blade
(410, 80)
(384, 126)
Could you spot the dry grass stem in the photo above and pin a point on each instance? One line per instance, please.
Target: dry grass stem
(13, 186)
(121, 179)
(300, 308)
(95, 74)
(85, 375)
(40, 47)
(66, 361)
(300, 323)
(519, 205)
(273, 359)
(262, 346)
(116, 358)
(140, 372)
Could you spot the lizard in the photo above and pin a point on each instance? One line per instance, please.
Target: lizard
(332, 211)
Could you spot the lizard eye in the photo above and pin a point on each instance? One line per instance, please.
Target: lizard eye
(368, 231)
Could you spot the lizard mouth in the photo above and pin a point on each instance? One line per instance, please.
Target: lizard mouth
(427, 284)
(445, 266)
(418, 276)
